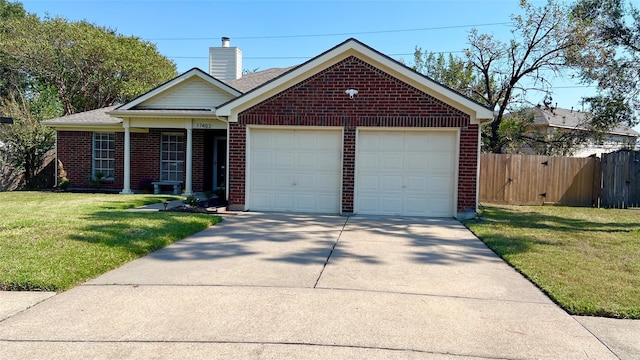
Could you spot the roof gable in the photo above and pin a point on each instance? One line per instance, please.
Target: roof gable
(193, 89)
(352, 47)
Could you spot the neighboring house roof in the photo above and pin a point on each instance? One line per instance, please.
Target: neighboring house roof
(251, 81)
(91, 117)
(572, 119)
(352, 47)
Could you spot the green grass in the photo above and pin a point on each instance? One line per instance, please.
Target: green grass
(585, 259)
(54, 241)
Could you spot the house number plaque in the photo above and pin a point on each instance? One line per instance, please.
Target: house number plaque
(204, 126)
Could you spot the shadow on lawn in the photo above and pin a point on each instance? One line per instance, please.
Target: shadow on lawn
(535, 220)
(152, 230)
(521, 223)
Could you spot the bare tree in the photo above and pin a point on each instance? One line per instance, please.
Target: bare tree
(536, 54)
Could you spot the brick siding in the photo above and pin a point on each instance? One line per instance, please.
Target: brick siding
(382, 101)
(75, 153)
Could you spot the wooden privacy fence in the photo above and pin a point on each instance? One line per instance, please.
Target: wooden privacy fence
(537, 180)
(613, 182)
(620, 179)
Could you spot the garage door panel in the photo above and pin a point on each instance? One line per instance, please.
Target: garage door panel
(280, 180)
(368, 183)
(391, 205)
(417, 206)
(391, 183)
(368, 204)
(414, 173)
(416, 162)
(390, 161)
(282, 202)
(283, 160)
(442, 141)
(368, 161)
(391, 142)
(262, 199)
(327, 140)
(417, 183)
(261, 159)
(325, 203)
(417, 143)
(439, 184)
(327, 160)
(294, 170)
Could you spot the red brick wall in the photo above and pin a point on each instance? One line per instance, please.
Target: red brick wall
(382, 101)
(75, 147)
(74, 151)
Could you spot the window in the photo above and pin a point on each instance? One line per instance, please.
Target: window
(171, 157)
(104, 149)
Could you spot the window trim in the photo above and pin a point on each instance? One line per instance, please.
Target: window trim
(181, 135)
(111, 151)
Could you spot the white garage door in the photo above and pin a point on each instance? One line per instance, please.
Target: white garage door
(294, 170)
(406, 173)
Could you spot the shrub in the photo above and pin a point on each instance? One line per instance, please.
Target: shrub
(64, 183)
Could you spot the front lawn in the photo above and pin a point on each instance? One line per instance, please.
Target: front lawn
(586, 259)
(54, 241)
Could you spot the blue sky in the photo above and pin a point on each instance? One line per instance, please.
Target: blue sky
(285, 33)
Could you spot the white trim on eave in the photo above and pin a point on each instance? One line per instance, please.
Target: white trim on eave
(352, 47)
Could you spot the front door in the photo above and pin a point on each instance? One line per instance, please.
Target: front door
(219, 162)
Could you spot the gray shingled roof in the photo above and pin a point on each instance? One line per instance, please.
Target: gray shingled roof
(573, 119)
(97, 116)
(252, 80)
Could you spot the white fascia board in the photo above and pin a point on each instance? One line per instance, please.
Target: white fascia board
(95, 128)
(477, 112)
(179, 79)
(164, 114)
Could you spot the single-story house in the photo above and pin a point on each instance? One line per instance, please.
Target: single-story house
(349, 131)
(551, 120)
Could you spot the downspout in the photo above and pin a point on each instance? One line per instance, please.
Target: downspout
(478, 167)
(55, 175)
(226, 170)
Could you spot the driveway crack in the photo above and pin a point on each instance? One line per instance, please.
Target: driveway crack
(331, 252)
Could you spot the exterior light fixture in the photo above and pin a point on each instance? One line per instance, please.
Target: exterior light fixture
(351, 92)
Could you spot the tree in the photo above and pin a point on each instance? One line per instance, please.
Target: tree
(455, 72)
(499, 74)
(26, 141)
(612, 59)
(542, 37)
(90, 66)
(9, 78)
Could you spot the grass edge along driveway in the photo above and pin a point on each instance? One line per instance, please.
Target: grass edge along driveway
(586, 259)
(55, 241)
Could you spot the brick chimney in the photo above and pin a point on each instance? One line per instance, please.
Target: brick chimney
(225, 62)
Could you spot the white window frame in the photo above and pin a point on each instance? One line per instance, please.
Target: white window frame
(172, 157)
(103, 155)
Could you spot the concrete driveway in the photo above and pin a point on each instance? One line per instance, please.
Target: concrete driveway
(267, 286)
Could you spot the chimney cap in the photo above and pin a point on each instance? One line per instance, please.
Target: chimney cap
(225, 41)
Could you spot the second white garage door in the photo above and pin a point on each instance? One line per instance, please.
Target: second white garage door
(406, 173)
(294, 170)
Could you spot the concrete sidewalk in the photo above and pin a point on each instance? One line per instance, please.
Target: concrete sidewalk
(264, 286)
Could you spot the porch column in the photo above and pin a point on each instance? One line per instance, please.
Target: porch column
(188, 166)
(127, 158)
